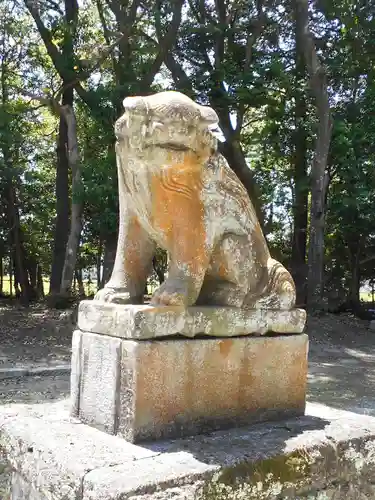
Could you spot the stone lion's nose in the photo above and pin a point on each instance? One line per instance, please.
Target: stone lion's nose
(209, 115)
(131, 103)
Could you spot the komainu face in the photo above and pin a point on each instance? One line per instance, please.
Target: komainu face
(168, 120)
(178, 192)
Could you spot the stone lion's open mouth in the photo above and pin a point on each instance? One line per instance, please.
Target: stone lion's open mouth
(170, 145)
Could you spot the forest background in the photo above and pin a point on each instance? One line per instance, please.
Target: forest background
(293, 85)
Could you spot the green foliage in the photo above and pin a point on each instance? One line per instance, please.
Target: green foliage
(242, 62)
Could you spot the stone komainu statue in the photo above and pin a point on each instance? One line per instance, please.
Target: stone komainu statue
(177, 191)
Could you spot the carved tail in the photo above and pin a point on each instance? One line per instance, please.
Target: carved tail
(276, 290)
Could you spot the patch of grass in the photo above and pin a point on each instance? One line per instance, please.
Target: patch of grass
(366, 296)
(89, 287)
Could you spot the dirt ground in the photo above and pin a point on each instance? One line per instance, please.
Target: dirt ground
(35, 336)
(342, 363)
(341, 357)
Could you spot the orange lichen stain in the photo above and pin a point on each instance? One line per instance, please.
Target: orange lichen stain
(225, 347)
(223, 270)
(133, 264)
(178, 210)
(187, 380)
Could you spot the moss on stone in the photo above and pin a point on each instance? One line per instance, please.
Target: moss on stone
(255, 481)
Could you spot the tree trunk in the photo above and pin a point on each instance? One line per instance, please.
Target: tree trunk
(99, 264)
(17, 291)
(62, 170)
(21, 275)
(158, 270)
(62, 200)
(10, 275)
(33, 269)
(301, 185)
(1, 276)
(40, 284)
(15, 230)
(354, 244)
(110, 246)
(355, 282)
(78, 277)
(319, 176)
(233, 153)
(77, 206)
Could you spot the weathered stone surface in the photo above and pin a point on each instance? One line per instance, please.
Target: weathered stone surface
(148, 322)
(326, 454)
(5, 479)
(97, 383)
(152, 389)
(53, 452)
(75, 373)
(21, 489)
(176, 191)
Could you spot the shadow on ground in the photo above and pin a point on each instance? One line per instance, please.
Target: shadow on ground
(342, 363)
(35, 336)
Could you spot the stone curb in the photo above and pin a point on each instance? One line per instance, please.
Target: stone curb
(7, 373)
(327, 454)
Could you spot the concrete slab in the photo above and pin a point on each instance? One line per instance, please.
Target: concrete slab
(152, 389)
(325, 454)
(148, 322)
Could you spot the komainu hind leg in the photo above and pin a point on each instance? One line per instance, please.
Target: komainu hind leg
(228, 280)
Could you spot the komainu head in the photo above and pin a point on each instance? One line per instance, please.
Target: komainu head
(168, 120)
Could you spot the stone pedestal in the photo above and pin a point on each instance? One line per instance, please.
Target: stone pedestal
(149, 389)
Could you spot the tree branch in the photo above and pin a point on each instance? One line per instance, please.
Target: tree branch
(367, 259)
(165, 46)
(181, 79)
(125, 22)
(220, 34)
(200, 17)
(100, 10)
(68, 75)
(96, 62)
(50, 102)
(251, 40)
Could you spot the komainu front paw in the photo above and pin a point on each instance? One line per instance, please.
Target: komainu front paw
(117, 296)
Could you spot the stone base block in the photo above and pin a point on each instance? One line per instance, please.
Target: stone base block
(146, 390)
(149, 322)
(325, 455)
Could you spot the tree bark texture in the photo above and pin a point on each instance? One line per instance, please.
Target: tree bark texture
(319, 175)
(40, 284)
(77, 206)
(301, 184)
(99, 264)
(62, 168)
(233, 153)
(62, 199)
(79, 279)
(110, 246)
(18, 248)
